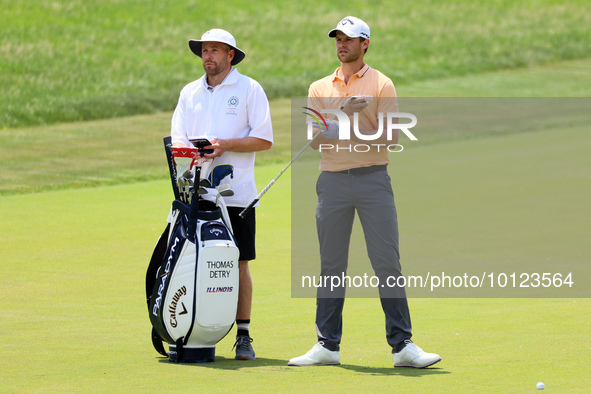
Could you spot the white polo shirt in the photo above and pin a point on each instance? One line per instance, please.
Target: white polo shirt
(236, 108)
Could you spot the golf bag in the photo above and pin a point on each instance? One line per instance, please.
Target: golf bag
(192, 279)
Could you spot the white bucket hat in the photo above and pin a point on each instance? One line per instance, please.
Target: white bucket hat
(352, 27)
(218, 35)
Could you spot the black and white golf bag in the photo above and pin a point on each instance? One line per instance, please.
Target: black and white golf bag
(192, 279)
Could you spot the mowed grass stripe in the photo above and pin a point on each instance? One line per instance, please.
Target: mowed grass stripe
(129, 149)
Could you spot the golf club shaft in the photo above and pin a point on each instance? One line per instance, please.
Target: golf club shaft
(266, 189)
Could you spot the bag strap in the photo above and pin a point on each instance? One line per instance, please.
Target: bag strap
(155, 263)
(157, 342)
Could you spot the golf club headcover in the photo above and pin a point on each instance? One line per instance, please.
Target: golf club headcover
(219, 172)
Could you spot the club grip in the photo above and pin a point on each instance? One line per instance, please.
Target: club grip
(246, 210)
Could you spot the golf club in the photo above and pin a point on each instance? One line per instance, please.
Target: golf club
(224, 190)
(266, 189)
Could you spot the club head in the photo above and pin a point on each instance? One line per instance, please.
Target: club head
(185, 182)
(225, 190)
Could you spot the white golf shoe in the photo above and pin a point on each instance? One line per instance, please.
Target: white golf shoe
(318, 355)
(413, 356)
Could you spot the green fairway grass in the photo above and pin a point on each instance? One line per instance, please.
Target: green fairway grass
(74, 317)
(518, 202)
(71, 61)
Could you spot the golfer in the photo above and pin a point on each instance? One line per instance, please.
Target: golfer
(232, 111)
(357, 181)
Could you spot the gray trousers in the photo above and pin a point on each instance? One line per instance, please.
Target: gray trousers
(371, 195)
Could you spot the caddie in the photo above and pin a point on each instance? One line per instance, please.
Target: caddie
(231, 110)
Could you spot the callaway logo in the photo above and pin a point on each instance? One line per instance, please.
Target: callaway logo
(173, 321)
(172, 308)
(216, 231)
(344, 21)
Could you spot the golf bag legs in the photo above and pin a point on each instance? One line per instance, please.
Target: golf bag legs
(177, 353)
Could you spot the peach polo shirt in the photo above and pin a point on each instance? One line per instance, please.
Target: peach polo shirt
(331, 92)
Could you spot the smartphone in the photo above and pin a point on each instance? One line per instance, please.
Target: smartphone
(199, 143)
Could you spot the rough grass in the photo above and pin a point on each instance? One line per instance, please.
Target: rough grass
(129, 149)
(78, 60)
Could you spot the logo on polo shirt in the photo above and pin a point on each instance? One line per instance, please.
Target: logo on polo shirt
(232, 105)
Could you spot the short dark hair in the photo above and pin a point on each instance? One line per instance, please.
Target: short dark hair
(361, 39)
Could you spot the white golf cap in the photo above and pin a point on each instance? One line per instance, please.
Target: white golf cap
(352, 27)
(218, 35)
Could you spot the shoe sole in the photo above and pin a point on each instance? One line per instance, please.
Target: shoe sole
(418, 366)
(311, 365)
(244, 358)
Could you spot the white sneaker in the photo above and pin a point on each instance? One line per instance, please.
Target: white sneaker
(413, 356)
(318, 355)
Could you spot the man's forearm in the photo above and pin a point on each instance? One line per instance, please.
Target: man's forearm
(247, 144)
